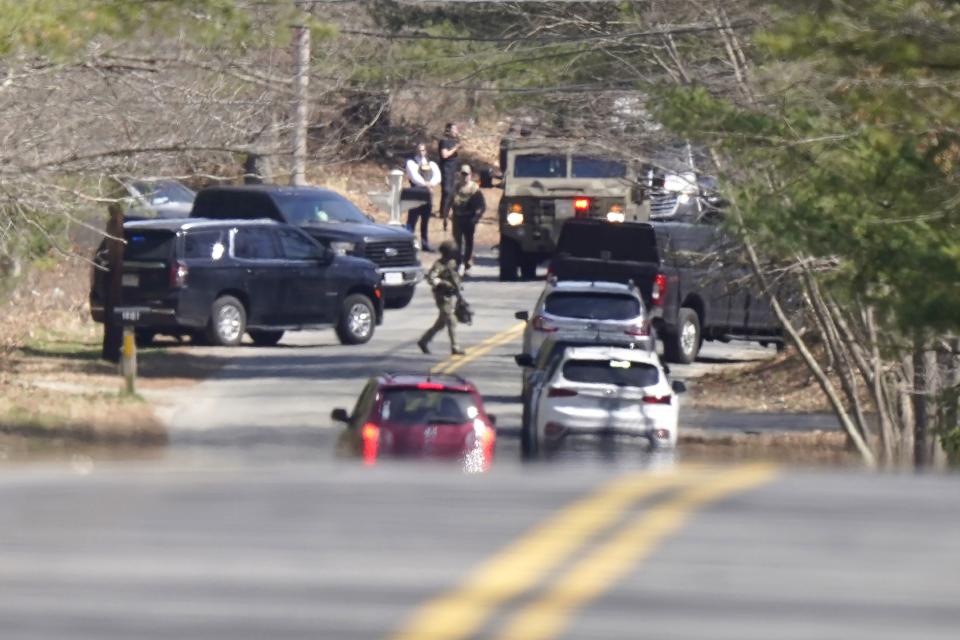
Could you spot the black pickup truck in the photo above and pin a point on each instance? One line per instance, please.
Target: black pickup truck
(329, 218)
(695, 290)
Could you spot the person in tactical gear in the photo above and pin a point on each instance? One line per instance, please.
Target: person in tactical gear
(445, 283)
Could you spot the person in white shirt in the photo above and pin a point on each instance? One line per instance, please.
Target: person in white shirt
(424, 174)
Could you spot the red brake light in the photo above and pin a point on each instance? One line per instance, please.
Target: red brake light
(370, 433)
(657, 399)
(540, 324)
(659, 292)
(641, 330)
(581, 205)
(178, 274)
(431, 386)
(558, 392)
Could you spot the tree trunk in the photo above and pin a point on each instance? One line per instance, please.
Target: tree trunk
(112, 331)
(298, 175)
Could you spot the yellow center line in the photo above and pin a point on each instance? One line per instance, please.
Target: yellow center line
(548, 616)
(453, 363)
(525, 562)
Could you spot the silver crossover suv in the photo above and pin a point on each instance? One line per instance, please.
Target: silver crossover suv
(587, 310)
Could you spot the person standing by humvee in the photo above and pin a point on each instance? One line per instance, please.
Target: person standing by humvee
(449, 148)
(445, 283)
(424, 174)
(468, 207)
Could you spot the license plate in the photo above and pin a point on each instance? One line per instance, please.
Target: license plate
(393, 277)
(131, 280)
(563, 208)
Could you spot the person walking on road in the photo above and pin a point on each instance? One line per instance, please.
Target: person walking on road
(445, 283)
(424, 174)
(468, 207)
(449, 148)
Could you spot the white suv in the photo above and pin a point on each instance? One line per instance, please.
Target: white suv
(580, 310)
(601, 390)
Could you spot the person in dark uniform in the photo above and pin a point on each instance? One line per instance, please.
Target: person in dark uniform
(468, 207)
(445, 283)
(449, 148)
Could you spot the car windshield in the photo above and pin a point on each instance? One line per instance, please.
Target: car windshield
(622, 373)
(592, 306)
(540, 166)
(164, 191)
(310, 208)
(587, 167)
(416, 406)
(149, 245)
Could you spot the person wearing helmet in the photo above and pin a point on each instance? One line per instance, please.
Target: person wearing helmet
(445, 283)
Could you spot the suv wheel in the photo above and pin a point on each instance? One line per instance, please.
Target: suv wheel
(684, 345)
(529, 443)
(265, 338)
(357, 320)
(228, 322)
(509, 256)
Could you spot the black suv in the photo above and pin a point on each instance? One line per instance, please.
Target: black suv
(216, 279)
(330, 219)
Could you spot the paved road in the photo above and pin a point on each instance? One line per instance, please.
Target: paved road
(249, 529)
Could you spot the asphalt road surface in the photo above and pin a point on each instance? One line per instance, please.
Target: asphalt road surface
(250, 529)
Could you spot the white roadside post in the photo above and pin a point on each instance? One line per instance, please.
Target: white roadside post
(390, 201)
(395, 180)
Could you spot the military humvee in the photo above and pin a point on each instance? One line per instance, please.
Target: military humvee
(549, 181)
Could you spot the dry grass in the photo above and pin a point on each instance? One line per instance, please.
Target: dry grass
(780, 384)
(55, 389)
(829, 448)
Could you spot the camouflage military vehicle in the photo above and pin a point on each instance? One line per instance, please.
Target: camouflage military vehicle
(549, 181)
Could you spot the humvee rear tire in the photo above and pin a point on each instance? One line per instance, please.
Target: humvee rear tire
(528, 266)
(509, 256)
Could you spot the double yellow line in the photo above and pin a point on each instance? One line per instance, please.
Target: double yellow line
(522, 566)
(486, 346)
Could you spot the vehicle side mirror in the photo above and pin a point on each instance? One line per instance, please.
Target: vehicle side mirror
(340, 415)
(492, 418)
(522, 315)
(523, 360)
(678, 386)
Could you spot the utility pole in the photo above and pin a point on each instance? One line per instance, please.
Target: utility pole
(112, 331)
(301, 53)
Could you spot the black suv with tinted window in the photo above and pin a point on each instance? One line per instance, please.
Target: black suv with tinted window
(217, 279)
(330, 219)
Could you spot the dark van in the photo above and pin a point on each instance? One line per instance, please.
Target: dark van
(219, 279)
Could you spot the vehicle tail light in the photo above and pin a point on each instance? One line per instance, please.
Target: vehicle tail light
(642, 329)
(657, 399)
(554, 428)
(370, 434)
(659, 292)
(430, 386)
(661, 434)
(581, 206)
(378, 293)
(178, 275)
(540, 324)
(560, 392)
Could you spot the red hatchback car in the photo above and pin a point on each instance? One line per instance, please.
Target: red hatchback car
(419, 416)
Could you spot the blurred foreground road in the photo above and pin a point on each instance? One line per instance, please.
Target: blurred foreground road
(248, 528)
(427, 552)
